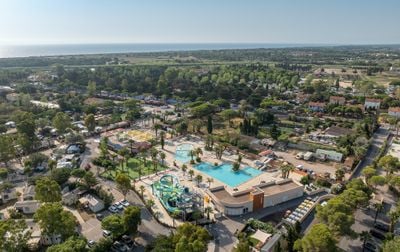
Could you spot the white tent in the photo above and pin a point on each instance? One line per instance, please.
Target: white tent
(261, 236)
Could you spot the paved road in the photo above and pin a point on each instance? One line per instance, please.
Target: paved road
(364, 218)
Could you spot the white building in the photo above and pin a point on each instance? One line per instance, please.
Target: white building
(394, 111)
(329, 154)
(371, 103)
(27, 206)
(93, 203)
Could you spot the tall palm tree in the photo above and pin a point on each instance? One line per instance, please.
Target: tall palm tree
(162, 156)
(184, 169)
(198, 152)
(207, 211)
(191, 173)
(209, 181)
(192, 153)
(198, 179)
(286, 169)
(141, 188)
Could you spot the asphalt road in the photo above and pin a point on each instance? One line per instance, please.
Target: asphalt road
(364, 218)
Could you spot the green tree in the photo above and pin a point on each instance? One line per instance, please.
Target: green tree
(90, 122)
(318, 239)
(368, 172)
(389, 164)
(72, 244)
(17, 236)
(123, 183)
(191, 173)
(209, 124)
(91, 88)
(131, 219)
(47, 190)
(7, 150)
(61, 175)
(54, 220)
(115, 224)
(377, 181)
(89, 180)
(274, 132)
(391, 245)
(61, 122)
(104, 244)
(198, 179)
(364, 237)
(162, 139)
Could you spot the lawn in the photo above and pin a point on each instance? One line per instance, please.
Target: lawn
(132, 169)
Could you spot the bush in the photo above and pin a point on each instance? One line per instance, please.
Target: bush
(192, 161)
(216, 164)
(198, 159)
(3, 173)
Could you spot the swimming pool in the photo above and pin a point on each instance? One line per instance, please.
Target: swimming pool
(225, 174)
(182, 152)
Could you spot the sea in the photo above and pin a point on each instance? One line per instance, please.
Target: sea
(11, 51)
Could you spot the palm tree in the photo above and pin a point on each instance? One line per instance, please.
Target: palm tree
(198, 152)
(162, 156)
(162, 139)
(191, 173)
(142, 189)
(192, 153)
(156, 128)
(286, 169)
(198, 179)
(378, 208)
(209, 181)
(364, 236)
(207, 211)
(184, 169)
(239, 158)
(150, 203)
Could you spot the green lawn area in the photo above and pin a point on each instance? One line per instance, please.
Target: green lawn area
(132, 169)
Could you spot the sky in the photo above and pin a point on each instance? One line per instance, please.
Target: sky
(199, 21)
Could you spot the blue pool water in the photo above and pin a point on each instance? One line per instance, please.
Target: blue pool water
(225, 174)
(182, 152)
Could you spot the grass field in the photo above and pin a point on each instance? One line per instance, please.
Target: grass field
(132, 169)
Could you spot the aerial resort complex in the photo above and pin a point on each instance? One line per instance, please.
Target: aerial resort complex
(149, 137)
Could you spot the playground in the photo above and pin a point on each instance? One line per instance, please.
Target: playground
(173, 196)
(133, 167)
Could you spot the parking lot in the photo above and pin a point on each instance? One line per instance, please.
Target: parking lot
(317, 167)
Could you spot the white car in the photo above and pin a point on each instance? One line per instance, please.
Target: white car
(125, 203)
(113, 209)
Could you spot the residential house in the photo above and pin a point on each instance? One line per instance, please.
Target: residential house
(92, 202)
(371, 103)
(27, 206)
(8, 194)
(394, 111)
(317, 106)
(28, 192)
(338, 100)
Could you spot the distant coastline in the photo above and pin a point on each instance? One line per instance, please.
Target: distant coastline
(12, 51)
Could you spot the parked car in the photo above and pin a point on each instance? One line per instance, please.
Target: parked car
(119, 247)
(113, 209)
(127, 240)
(99, 216)
(125, 203)
(106, 233)
(381, 226)
(375, 233)
(118, 206)
(370, 246)
(91, 243)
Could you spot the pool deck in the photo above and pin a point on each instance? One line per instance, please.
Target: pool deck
(209, 156)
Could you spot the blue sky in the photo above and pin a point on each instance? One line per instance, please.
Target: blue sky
(199, 21)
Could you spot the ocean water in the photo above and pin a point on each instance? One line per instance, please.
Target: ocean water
(10, 51)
